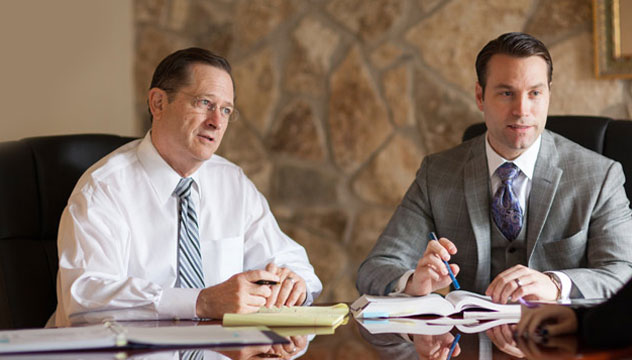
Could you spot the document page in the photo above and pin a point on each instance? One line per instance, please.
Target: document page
(464, 300)
(113, 335)
(404, 326)
(370, 306)
(206, 335)
(88, 337)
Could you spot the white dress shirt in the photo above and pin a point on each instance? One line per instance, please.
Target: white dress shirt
(118, 237)
(522, 187)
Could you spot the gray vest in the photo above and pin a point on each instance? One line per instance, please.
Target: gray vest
(505, 253)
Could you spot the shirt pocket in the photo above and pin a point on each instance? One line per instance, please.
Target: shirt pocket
(222, 258)
(569, 252)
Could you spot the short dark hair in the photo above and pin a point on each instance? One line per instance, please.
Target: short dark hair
(513, 44)
(173, 72)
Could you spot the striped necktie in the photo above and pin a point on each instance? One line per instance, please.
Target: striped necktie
(190, 273)
(196, 354)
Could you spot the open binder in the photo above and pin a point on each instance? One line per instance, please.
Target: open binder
(114, 335)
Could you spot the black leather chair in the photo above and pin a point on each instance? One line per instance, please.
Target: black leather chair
(612, 138)
(36, 177)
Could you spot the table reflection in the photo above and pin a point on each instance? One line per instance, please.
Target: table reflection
(495, 343)
(296, 348)
(293, 350)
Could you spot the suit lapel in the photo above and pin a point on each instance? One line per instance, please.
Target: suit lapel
(546, 177)
(476, 186)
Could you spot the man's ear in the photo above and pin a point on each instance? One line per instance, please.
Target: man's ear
(479, 96)
(157, 99)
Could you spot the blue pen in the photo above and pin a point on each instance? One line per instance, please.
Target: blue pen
(453, 346)
(433, 236)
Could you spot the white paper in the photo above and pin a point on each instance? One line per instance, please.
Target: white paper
(88, 337)
(195, 335)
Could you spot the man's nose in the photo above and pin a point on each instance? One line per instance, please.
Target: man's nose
(214, 118)
(520, 106)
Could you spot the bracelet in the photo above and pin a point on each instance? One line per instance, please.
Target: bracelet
(557, 284)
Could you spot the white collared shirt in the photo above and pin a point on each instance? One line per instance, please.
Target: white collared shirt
(118, 237)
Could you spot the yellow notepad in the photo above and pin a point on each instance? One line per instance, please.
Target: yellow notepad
(291, 316)
(306, 330)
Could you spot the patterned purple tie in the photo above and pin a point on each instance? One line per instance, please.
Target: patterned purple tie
(506, 209)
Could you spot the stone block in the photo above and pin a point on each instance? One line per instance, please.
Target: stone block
(327, 222)
(328, 257)
(153, 46)
(429, 5)
(385, 179)
(443, 114)
(451, 37)
(302, 76)
(343, 288)
(150, 11)
(257, 86)
(296, 134)
(554, 19)
(211, 26)
(304, 186)
(369, 20)
(252, 158)
(398, 93)
(358, 121)
(310, 58)
(256, 19)
(318, 40)
(575, 88)
(178, 14)
(368, 226)
(385, 55)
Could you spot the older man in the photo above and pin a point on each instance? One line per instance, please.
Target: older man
(163, 228)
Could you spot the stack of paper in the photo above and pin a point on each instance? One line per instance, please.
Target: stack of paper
(112, 335)
(330, 316)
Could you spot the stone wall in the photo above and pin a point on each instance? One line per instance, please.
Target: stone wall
(341, 99)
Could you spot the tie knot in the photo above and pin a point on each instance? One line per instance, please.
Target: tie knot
(507, 172)
(183, 189)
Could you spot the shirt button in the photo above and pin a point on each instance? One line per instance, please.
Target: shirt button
(511, 250)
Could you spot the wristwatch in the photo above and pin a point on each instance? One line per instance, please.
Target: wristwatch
(558, 284)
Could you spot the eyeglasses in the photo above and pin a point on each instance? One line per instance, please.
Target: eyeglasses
(204, 104)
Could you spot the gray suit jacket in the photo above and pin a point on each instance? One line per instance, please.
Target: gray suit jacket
(578, 219)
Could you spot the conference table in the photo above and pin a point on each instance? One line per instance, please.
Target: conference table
(353, 341)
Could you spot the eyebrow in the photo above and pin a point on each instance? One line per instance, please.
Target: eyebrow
(506, 86)
(229, 103)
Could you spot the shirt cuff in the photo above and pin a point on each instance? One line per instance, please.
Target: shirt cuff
(178, 303)
(565, 283)
(401, 283)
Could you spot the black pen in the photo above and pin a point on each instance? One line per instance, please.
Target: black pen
(268, 355)
(266, 282)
